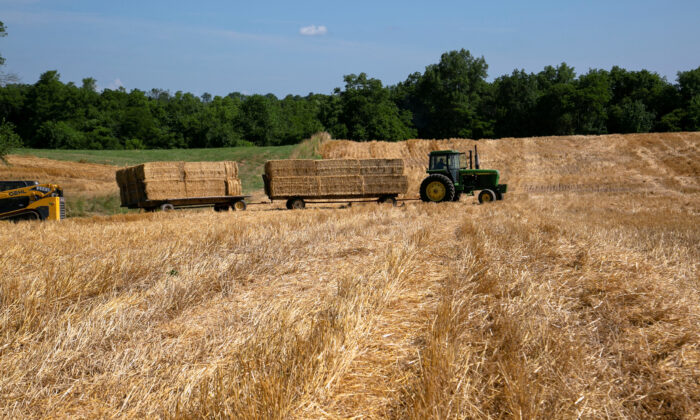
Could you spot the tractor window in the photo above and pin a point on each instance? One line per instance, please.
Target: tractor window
(454, 161)
(438, 162)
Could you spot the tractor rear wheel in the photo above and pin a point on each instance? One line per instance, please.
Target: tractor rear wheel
(437, 188)
(487, 196)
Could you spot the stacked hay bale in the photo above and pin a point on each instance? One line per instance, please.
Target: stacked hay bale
(170, 180)
(331, 178)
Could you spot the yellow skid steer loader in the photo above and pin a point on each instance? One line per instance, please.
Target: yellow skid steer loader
(29, 200)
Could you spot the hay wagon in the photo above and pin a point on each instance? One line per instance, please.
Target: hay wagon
(170, 185)
(301, 181)
(220, 203)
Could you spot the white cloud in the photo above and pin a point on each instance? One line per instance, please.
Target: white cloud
(116, 84)
(313, 30)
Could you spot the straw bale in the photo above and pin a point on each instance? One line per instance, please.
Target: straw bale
(231, 169)
(337, 167)
(381, 166)
(170, 180)
(159, 171)
(233, 187)
(161, 190)
(385, 184)
(340, 185)
(205, 187)
(290, 168)
(135, 188)
(294, 186)
(210, 170)
(122, 183)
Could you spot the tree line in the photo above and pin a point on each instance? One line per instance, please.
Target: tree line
(449, 99)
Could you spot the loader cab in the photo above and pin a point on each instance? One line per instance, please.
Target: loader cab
(446, 162)
(13, 185)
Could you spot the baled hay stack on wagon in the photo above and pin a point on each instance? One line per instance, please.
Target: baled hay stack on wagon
(333, 178)
(169, 180)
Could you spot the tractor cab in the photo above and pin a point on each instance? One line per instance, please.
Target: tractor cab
(449, 177)
(446, 162)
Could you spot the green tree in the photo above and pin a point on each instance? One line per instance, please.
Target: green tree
(367, 112)
(62, 135)
(447, 98)
(592, 98)
(515, 98)
(631, 117)
(260, 120)
(689, 89)
(8, 139)
(300, 118)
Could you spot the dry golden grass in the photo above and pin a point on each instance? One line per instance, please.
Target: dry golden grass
(552, 304)
(634, 161)
(75, 177)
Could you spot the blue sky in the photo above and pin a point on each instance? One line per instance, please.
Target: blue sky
(298, 47)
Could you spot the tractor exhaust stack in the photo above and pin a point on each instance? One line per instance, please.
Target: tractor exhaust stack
(476, 158)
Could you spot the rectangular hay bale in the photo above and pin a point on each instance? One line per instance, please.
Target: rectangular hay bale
(162, 190)
(384, 184)
(121, 182)
(209, 170)
(381, 166)
(290, 168)
(340, 185)
(233, 187)
(211, 187)
(159, 171)
(135, 188)
(294, 186)
(337, 167)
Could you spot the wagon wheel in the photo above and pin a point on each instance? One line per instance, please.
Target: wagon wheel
(239, 205)
(296, 203)
(387, 199)
(167, 207)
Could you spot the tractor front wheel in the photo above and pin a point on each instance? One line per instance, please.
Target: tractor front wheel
(487, 196)
(436, 188)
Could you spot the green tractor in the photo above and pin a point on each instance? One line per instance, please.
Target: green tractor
(448, 179)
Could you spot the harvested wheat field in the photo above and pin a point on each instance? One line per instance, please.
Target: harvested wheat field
(75, 177)
(564, 300)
